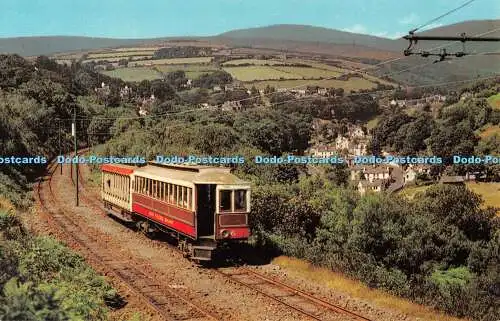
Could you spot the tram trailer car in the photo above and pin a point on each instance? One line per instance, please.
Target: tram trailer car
(202, 207)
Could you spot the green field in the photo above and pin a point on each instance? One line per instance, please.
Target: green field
(192, 71)
(173, 61)
(252, 73)
(411, 191)
(116, 59)
(351, 84)
(494, 101)
(308, 73)
(258, 62)
(149, 49)
(134, 74)
(489, 192)
(120, 54)
(155, 72)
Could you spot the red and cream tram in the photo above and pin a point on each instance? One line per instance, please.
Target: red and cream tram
(201, 206)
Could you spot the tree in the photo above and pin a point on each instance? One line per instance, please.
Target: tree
(162, 90)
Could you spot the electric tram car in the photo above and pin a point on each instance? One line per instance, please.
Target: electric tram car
(202, 207)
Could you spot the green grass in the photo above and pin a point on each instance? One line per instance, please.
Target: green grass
(258, 62)
(308, 73)
(115, 59)
(128, 49)
(339, 282)
(173, 61)
(133, 74)
(490, 192)
(372, 123)
(252, 73)
(120, 54)
(192, 71)
(411, 191)
(494, 101)
(351, 84)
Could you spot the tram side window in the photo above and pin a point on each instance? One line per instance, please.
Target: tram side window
(181, 196)
(225, 201)
(184, 197)
(240, 200)
(189, 198)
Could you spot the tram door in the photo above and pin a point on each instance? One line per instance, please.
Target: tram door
(206, 209)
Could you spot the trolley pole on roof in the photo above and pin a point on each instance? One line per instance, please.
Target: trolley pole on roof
(73, 129)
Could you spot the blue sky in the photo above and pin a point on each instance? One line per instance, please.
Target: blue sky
(158, 18)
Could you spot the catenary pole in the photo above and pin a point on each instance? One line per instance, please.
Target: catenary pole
(76, 156)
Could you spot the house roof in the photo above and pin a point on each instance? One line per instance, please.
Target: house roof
(451, 179)
(190, 174)
(375, 183)
(377, 170)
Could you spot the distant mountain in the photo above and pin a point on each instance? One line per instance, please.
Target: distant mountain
(304, 33)
(35, 46)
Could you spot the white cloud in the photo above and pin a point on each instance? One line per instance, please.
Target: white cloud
(409, 19)
(393, 35)
(357, 28)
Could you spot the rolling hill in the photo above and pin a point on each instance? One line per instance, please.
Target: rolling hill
(311, 41)
(303, 33)
(35, 46)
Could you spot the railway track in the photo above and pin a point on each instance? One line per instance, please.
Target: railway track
(166, 303)
(296, 299)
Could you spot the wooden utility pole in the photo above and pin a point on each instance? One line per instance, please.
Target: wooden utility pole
(60, 148)
(76, 156)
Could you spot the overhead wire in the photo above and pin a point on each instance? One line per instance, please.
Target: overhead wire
(442, 16)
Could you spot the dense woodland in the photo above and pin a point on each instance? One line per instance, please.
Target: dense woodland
(440, 248)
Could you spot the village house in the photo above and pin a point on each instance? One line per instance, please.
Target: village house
(455, 180)
(188, 84)
(376, 186)
(147, 102)
(125, 92)
(217, 89)
(356, 171)
(413, 171)
(342, 143)
(370, 173)
(466, 95)
(354, 143)
(377, 173)
(231, 105)
(322, 91)
(323, 151)
(410, 176)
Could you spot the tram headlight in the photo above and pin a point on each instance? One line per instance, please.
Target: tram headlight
(225, 234)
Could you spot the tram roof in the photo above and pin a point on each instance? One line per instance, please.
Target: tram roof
(191, 173)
